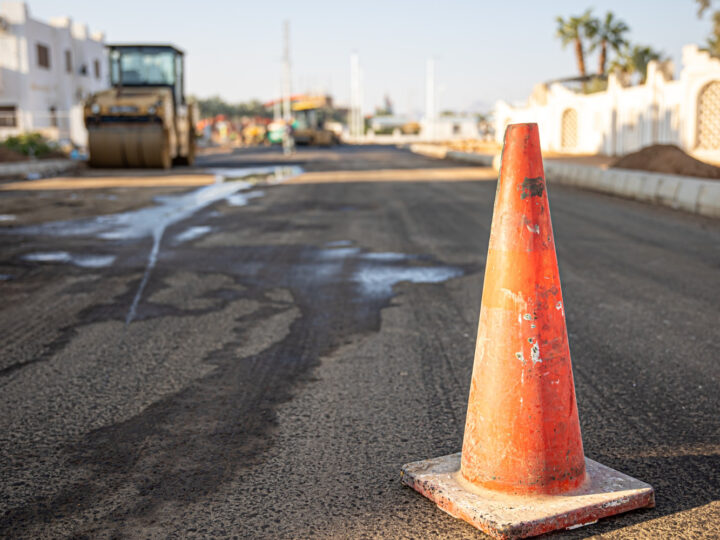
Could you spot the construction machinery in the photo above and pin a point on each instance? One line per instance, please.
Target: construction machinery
(312, 116)
(143, 120)
(312, 121)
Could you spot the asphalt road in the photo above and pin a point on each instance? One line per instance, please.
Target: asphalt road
(263, 363)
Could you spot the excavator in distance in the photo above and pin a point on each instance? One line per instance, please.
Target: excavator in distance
(143, 119)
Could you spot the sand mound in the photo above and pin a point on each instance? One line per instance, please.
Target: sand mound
(7, 155)
(668, 159)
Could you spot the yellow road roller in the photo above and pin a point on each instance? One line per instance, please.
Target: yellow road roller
(312, 115)
(143, 120)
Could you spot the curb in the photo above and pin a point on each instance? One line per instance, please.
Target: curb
(690, 194)
(694, 195)
(40, 167)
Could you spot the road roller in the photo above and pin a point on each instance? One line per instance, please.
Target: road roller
(143, 119)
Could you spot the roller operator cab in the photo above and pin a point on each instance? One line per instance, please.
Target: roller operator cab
(143, 120)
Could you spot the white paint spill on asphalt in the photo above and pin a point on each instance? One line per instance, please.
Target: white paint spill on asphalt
(338, 253)
(84, 261)
(7, 217)
(49, 256)
(387, 256)
(378, 281)
(376, 275)
(144, 222)
(339, 243)
(192, 233)
(168, 210)
(241, 199)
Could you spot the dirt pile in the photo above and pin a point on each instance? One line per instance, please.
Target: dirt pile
(8, 155)
(668, 159)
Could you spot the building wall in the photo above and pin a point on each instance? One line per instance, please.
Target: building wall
(450, 127)
(625, 118)
(49, 99)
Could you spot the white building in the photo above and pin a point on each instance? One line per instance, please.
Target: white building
(449, 127)
(624, 118)
(46, 71)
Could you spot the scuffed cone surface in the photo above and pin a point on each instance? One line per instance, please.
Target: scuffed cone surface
(522, 432)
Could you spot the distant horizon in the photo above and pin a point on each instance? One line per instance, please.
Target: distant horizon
(481, 54)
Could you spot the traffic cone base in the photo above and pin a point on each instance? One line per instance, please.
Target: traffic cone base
(604, 493)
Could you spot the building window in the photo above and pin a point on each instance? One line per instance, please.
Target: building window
(53, 117)
(43, 56)
(569, 129)
(83, 69)
(68, 61)
(8, 117)
(708, 125)
(97, 69)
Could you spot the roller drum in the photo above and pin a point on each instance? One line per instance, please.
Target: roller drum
(134, 146)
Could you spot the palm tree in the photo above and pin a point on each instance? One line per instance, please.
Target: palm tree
(713, 41)
(606, 32)
(573, 30)
(636, 60)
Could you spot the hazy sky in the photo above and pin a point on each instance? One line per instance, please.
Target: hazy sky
(484, 50)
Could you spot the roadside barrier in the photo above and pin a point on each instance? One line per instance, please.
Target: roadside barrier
(522, 470)
(41, 167)
(686, 193)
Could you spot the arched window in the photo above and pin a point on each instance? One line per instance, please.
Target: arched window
(569, 129)
(708, 117)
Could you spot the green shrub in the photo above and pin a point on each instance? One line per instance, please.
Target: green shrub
(29, 144)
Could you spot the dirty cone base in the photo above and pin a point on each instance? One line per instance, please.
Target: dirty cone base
(606, 492)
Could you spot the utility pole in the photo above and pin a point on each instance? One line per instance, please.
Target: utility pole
(277, 105)
(355, 97)
(430, 112)
(287, 113)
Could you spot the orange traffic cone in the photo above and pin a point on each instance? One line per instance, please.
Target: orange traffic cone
(522, 471)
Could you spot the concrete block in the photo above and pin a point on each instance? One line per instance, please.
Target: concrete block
(555, 172)
(667, 190)
(687, 194)
(485, 160)
(583, 174)
(571, 174)
(648, 188)
(632, 185)
(430, 150)
(593, 176)
(574, 176)
(708, 201)
(608, 182)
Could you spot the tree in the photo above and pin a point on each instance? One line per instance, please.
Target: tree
(574, 30)
(635, 59)
(702, 6)
(607, 32)
(215, 105)
(713, 41)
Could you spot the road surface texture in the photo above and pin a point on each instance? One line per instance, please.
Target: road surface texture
(259, 361)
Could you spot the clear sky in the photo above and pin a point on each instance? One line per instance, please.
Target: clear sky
(484, 50)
